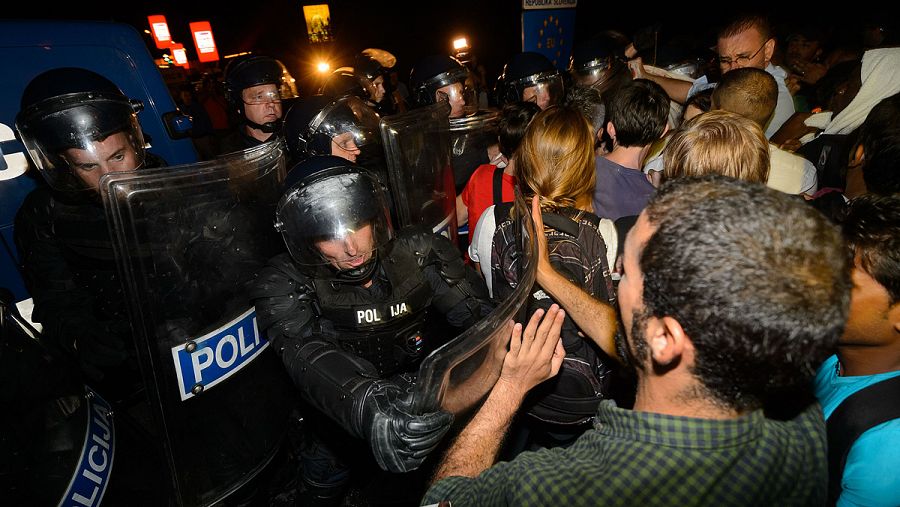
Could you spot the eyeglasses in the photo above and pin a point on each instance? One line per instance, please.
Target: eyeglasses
(263, 98)
(741, 60)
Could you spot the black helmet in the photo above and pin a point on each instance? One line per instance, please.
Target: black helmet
(599, 62)
(312, 123)
(254, 70)
(73, 108)
(343, 82)
(334, 220)
(435, 72)
(531, 70)
(367, 67)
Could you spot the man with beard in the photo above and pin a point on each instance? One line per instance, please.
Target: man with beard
(725, 313)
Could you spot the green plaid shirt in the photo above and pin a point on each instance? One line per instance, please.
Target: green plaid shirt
(639, 458)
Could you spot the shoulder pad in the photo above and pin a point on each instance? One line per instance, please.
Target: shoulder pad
(278, 278)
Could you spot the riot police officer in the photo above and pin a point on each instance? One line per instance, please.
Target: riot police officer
(600, 63)
(530, 77)
(345, 309)
(442, 78)
(78, 126)
(321, 125)
(255, 86)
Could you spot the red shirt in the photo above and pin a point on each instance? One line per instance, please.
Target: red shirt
(479, 192)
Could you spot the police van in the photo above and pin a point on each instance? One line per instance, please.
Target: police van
(113, 50)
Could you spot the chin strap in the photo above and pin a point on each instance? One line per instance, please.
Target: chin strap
(359, 274)
(269, 127)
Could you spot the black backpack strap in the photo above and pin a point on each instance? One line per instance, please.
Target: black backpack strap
(861, 411)
(498, 185)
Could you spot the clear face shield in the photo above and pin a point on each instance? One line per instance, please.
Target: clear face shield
(593, 74)
(336, 220)
(262, 94)
(352, 126)
(76, 139)
(458, 93)
(545, 89)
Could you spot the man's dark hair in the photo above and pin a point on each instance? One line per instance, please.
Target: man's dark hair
(879, 136)
(514, 119)
(639, 113)
(872, 231)
(744, 22)
(758, 280)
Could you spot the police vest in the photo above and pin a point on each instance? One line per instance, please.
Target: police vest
(387, 332)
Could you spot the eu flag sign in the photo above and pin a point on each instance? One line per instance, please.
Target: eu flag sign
(549, 32)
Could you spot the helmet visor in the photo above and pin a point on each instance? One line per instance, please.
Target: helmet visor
(336, 218)
(74, 140)
(544, 90)
(351, 124)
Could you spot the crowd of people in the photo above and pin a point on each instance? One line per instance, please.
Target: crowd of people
(716, 313)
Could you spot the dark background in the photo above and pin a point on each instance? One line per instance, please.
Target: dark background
(414, 30)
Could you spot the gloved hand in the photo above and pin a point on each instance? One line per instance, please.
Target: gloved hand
(399, 439)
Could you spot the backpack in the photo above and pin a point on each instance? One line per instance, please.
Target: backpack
(578, 252)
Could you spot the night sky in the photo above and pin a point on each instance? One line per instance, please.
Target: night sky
(493, 27)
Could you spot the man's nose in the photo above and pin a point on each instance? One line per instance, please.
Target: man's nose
(350, 246)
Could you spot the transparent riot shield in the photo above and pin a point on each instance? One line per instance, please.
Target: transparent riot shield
(470, 139)
(188, 242)
(458, 375)
(417, 150)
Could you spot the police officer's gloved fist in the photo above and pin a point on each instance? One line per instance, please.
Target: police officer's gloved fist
(399, 439)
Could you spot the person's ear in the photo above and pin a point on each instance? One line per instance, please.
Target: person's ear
(770, 49)
(667, 342)
(611, 130)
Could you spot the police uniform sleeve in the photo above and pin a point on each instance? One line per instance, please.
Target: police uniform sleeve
(459, 292)
(343, 386)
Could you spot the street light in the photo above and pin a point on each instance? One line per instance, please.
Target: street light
(323, 67)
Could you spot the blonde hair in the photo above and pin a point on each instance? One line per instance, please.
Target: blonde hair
(718, 142)
(556, 159)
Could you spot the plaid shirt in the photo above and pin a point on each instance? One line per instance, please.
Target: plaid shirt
(639, 458)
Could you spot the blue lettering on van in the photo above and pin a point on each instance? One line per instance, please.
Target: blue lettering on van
(90, 479)
(217, 355)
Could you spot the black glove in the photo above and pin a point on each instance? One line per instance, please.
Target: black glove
(399, 439)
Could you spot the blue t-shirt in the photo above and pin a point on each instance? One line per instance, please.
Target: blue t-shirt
(871, 476)
(620, 191)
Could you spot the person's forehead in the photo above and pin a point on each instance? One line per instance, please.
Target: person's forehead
(260, 88)
(741, 40)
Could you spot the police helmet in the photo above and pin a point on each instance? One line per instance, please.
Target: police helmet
(434, 72)
(343, 82)
(312, 124)
(73, 108)
(531, 70)
(254, 70)
(599, 62)
(334, 220)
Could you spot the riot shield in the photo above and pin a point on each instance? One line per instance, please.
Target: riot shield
(417, 150)
(188, 242)
(470, 138)
(458, 375)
